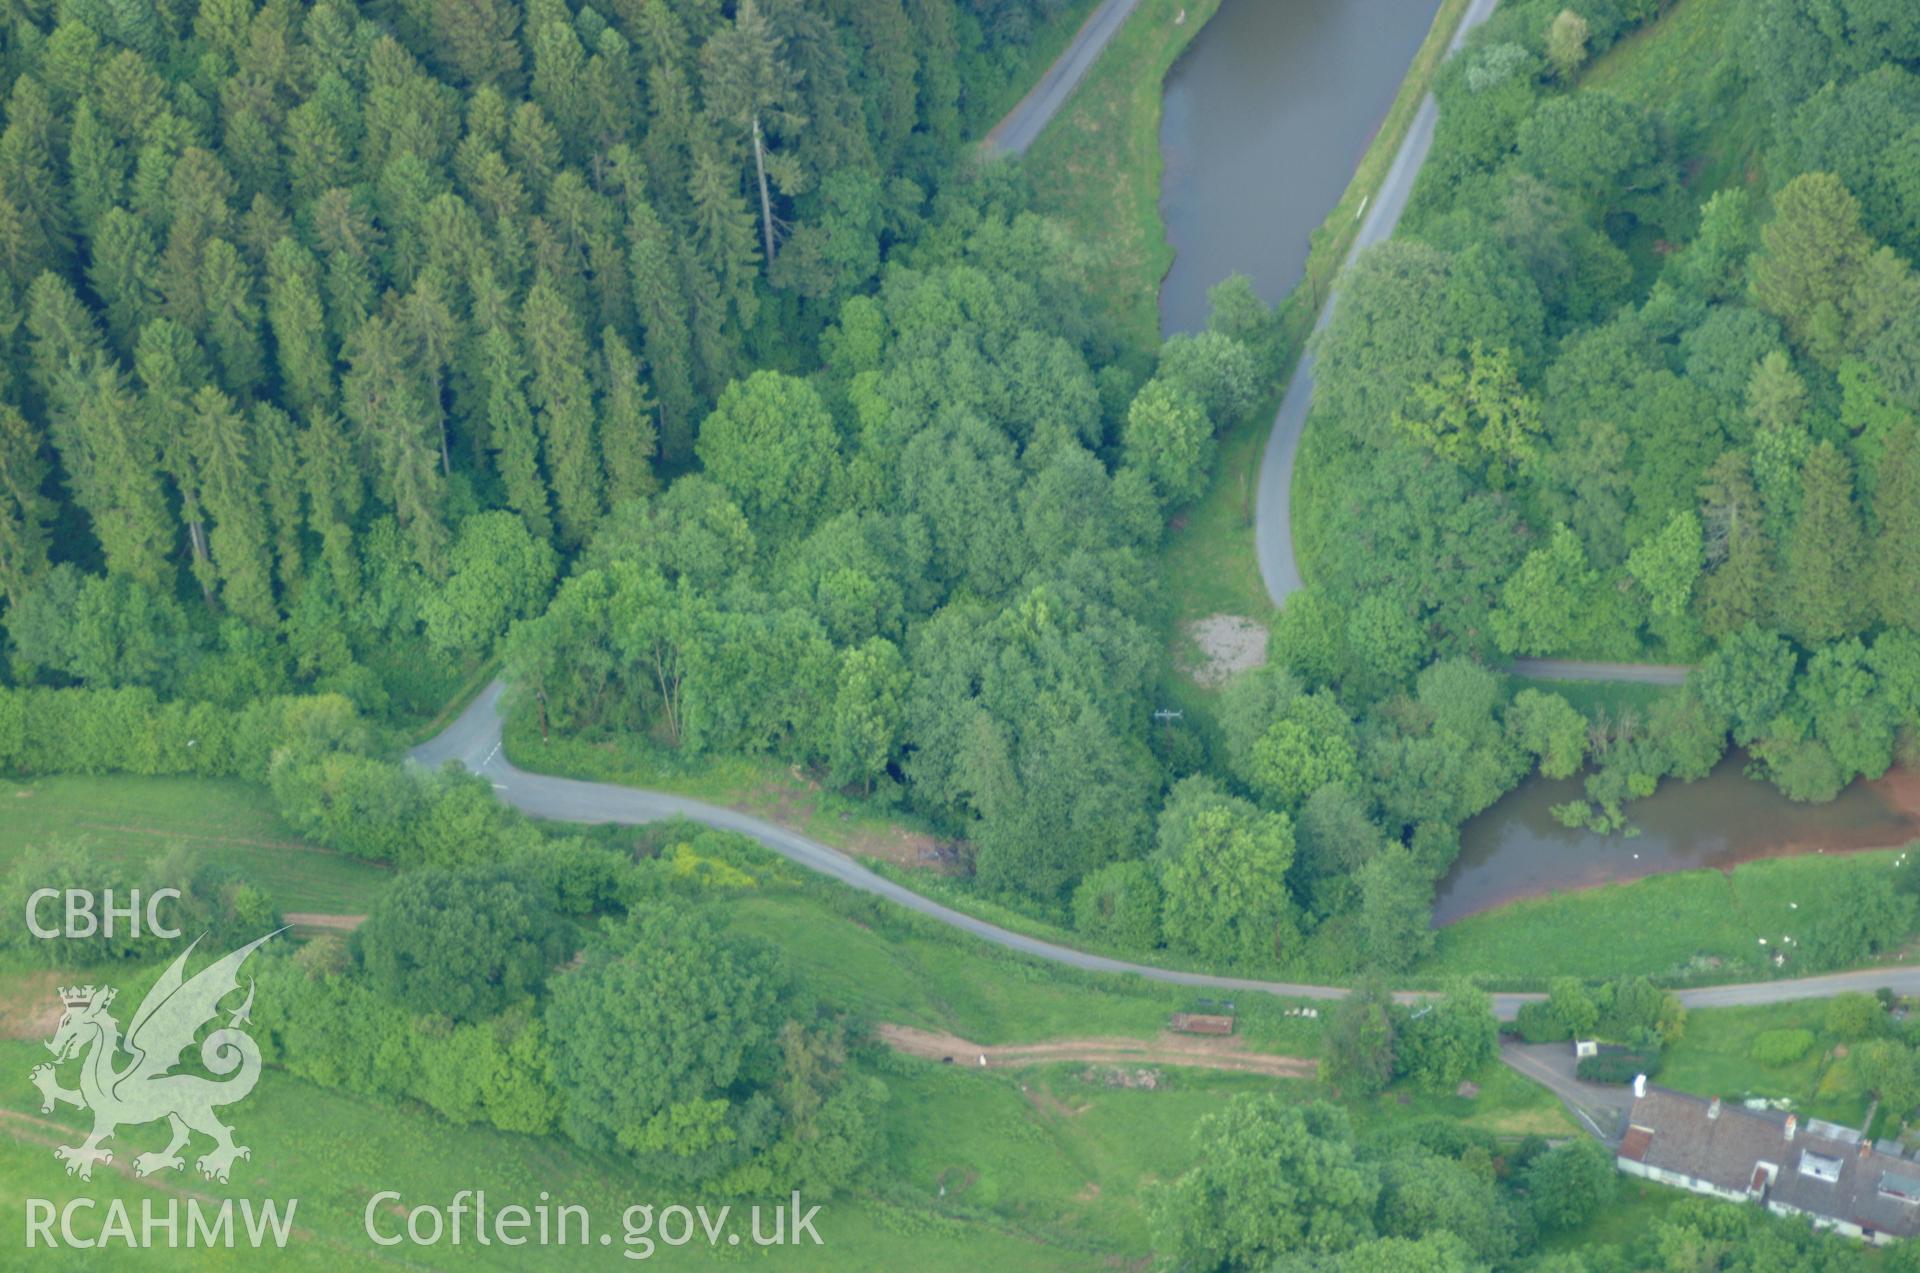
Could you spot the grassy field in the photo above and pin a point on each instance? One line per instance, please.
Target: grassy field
(1039, 1171)
(1042, 1168)
(1637, 1205)
(132, 819)
(1508, 1106)
(887, 966)
(1097, 166)
(1714, 1058)
(1696, 925)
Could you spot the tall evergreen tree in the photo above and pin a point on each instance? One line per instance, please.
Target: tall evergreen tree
(113, 465)
(627, 428)
(298, 320)
(233, 317)
(61, 337)
(560, 78)
(562, 397)
(612, 91)
(35, 229)
(1814, 250)
(663, 45)
(1893, 568)
(1739, 554)
(231, 495)
(1819, 596)
(384, 399)
(666, 341)
(97, 168)
(890, 67)
(333, 493)
(513, 437)
(429, 324)
(477, 40)
(24, 510)
(723, 234)
(171, 370)
(199, 194)
(939, 80)
(276, 463)
(748, 84)
(122, 273)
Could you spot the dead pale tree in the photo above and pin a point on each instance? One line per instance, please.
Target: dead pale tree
(748, 84)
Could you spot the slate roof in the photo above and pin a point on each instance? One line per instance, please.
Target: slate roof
(1826, 1170)
(1722, 1151)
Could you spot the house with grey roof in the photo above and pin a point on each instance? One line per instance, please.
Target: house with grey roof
(1828, 1173)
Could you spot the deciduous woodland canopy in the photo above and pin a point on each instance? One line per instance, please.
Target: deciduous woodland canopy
(684, 353)
(1639, 383)
(684, 357)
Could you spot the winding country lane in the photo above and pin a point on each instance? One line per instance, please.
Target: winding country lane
(1013, 134)
(1577, 670)
(473, 741)
(1273, 508)
(1273, 500)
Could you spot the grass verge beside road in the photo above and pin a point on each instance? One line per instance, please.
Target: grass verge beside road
(1027, 64)
(765, 788)
(1096, 167)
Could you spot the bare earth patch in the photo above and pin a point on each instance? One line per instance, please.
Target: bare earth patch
(908, 848)
(1228, 644)
(331, 923)
(1163, 1049)
(795, 808)
(30, 1005)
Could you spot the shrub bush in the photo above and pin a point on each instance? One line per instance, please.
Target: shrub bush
(1617, 1067)
(1539, 1023)
(1780, 1047)
(94, 731)
(1120, 903)
(1854, 1016)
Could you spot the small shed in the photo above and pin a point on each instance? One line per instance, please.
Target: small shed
(1585, 1047)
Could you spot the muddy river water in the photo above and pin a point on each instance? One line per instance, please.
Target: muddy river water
(1266, 115)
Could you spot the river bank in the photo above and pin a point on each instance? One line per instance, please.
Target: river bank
(1096, 168)
(1517, 850)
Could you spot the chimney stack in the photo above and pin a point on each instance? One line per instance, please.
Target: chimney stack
(1639, 1085)
(1793, 1125)
(1713, 1108)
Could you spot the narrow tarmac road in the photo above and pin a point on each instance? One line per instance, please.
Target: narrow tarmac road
(1013, 134)
(1273, 509)
(1601, 1108)
(474, 742)
(1578, 670)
